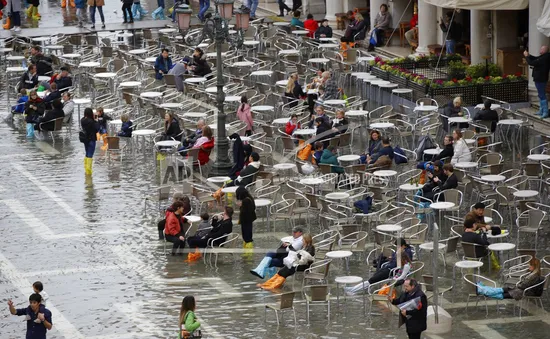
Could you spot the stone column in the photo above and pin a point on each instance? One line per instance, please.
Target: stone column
(480, 45)
(333, 7)
(427, 26)
(536, 39)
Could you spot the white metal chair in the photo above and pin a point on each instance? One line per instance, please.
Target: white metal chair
(317, 295)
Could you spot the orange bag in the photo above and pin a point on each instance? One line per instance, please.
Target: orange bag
(191, 257)
(385, 290)
(218, 195)
(422, 179)
(304, 153)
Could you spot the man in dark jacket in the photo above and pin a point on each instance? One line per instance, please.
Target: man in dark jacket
(471, 236)
(246, 175)
(452, 30)
(219, 229)
(385, 150)
(415, 319)
(487, 114)
(42, 62)
(56, 112)
(440, 185)
(163, 64)
(541, 67)
(29, 80)
(63, 80)
(324, 31)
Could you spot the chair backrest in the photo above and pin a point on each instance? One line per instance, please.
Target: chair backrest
(287, 300)
(318, 292)
(192, 229)
(470, 250)
(58, 124)
(452, 244)
(170, 80)
(113, 143)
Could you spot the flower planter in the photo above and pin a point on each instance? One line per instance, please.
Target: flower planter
(470, 94)
(419, 91)
(379, 73)
(514, 91)
(402, 82)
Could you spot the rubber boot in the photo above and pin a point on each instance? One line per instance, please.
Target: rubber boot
(29, 11)
(7, 25)
(63, 3)
(105, 143)
(89, 166)
(539, 112)
(544, 104)
(158, 13)
(494, 261)
(276, 282)
(161, 14)
(86, 165)
(142, 11)
(161, 235)
(259, 271)
(71, 3)
(36, 15)
(135, 12)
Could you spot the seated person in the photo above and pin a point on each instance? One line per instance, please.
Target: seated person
(330, 156)
(52, 95)
(461, 151)
(320, 111)
(204, 227)
(295, 261)
(179, 69)
(440, 183)
(23, 98)
(446, 152)
(319, 147)
(385, 150)
(200, 66)
(29, 79)
(384, 273)
(68, 107)
(172, 128)
(356, 29)
(295, 21)
(381, 23)
(340, 123)
(375, 144)
(275, 259)
(324, 31)
(55, 113)
(477, 214)
(221, 226)
(471, 236)
(453, 110)
(34, 107)
(126, 128)
(292, 124)
(311, 25)
(178, 196)
(245, 177)
(163, 64)
(413, 30)
(200, 140)
(174, 231)
(63, 80)
(192, 138)
(487, 114)
(530, 279)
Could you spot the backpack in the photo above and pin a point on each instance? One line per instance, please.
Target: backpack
(399, 156)
(424, 143)
(364, 205)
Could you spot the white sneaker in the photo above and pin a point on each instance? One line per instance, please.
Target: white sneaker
(12, 29)
(17, 29)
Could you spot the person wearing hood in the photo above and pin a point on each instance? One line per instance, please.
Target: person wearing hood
(415, 319)
(330, 157)
(244, 114)
(163, 64)
(179, 69)
(324, 31)
(200, 65)
(238, 156)
(247, 215)
(245, 176)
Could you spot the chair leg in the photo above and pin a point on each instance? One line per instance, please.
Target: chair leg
(307, 312)
(294, 312)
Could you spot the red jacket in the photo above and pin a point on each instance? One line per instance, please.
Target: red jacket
(173, 226)
(414, 21)
(204, 152)
(289, 128)
(311, 25)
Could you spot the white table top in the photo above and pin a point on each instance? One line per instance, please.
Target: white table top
(243, 63)
(432, 151)
(260, 73)
(337, 196)
(493, 178)
(426, 108)
(53, 47)
(284, 166)
(411, 187)
(329, 45)
(311, 181)
(71, 56)
(466, 164)
(358, 74)
(313, 60)
(501, 246)
(442, 205)
(280, 121)
(130, 84)
(366, 58)
(6, 50)
(282, 83)
(334, 102)
(171, 105)
(168, 143)
(151, 59)
(429, 246)
(251, 43)
(525, 193)
(230, 189)
(338, 254)
(41, 38)
(89, 64)
(468, 264)
(379, 82)
(15, 57)
(487, 219)
(16, 69)
(151, 94)
(232, 98)
(105, 75)
(510, 122)
(214, 54)
(304, 131)
(215, 126)
(137, 51)
(192, 218)
(349, 279)
(168, 30)
(538, 157)
(331, 39)
(349, 157)
(384, 173)
(126, 34)
(300, 32)
(214, 89)
(144, 132)
(194, 80)
(82, 101)
(402, 90)
(289, 51)
(498, 236)
(388, 85)
(194, 115)
(313, 91)
(459, 120)
(262, 202)
(105, 110)
(262, 108)
(356, 113)
(389, 228)
(382, 125)
(219, 180)
(493, 106)
(43, 78)
(281, 23)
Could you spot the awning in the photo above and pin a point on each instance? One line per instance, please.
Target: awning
(543, 23)
(481, 4)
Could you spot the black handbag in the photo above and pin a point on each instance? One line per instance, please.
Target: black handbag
(82, 137)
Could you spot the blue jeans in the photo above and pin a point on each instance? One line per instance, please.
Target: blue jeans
(541, 90)
(450, 46)
(16, 17)
(253, 5)
(92, 13)
(204, 6)
(276, 259)
(90, 149)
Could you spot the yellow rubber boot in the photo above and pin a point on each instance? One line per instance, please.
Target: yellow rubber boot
(89, 165)
(7, 25)
(36, 15)
(29, 11)
(63, 3)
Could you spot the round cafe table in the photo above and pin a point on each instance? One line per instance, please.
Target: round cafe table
(425, 108)
(337, 196)
(500, 247)
(89, 64)
(281, 23)
(285, 167)
(466, 264)
(243, 64)
(429, 246)
(138, 51)
(218, 180)
(143, 133)
(232, 98)
(349, 157)
(251, 43)
(151, 59)
(80, 101)
(195, 80)
(524, 194)
(167, 30)
(281, 83)
(16, 69)
(389, 228)
(280, 121)
(261, 73)
(196, 115)
(340, 255)
(192, 218)
(318, 60)
(262, 202)
(432, 151)
(466, 164)
(384, 173)
(130, 84)
(289, 52)
(349, 280)
(105, 75)
(538, 157)
(151, 95)
(304, 131)
(314, 182)
(71, 56)
(334, 102)
(458, 120)
(300, 32)
(382, 125)
(329, 45)
(214, 89)
(411, 187)
(172, 105)
(442, 206)
(262, 108)
(356, 113)
(493, 106)
(493, 178)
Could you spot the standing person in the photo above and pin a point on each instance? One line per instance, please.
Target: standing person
(88, 136)
(252, 6)
(173, 231)
(32, 10)
(204, 5)
(96, 4)
(541, 67)
(453, 32)
(188, 323)
(42, 62)
(247, 215)
(137, 10)
(244, 114)
(282, 7)
(296, 4)
(162, 64)
(13, 9)
(414, 319)
(127, 11)
(39, 318)
(80, 6)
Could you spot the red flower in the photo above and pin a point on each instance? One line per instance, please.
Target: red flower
(518, 74)
(504, 76)
(454, 80)
(468, 78)
(487, 78)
